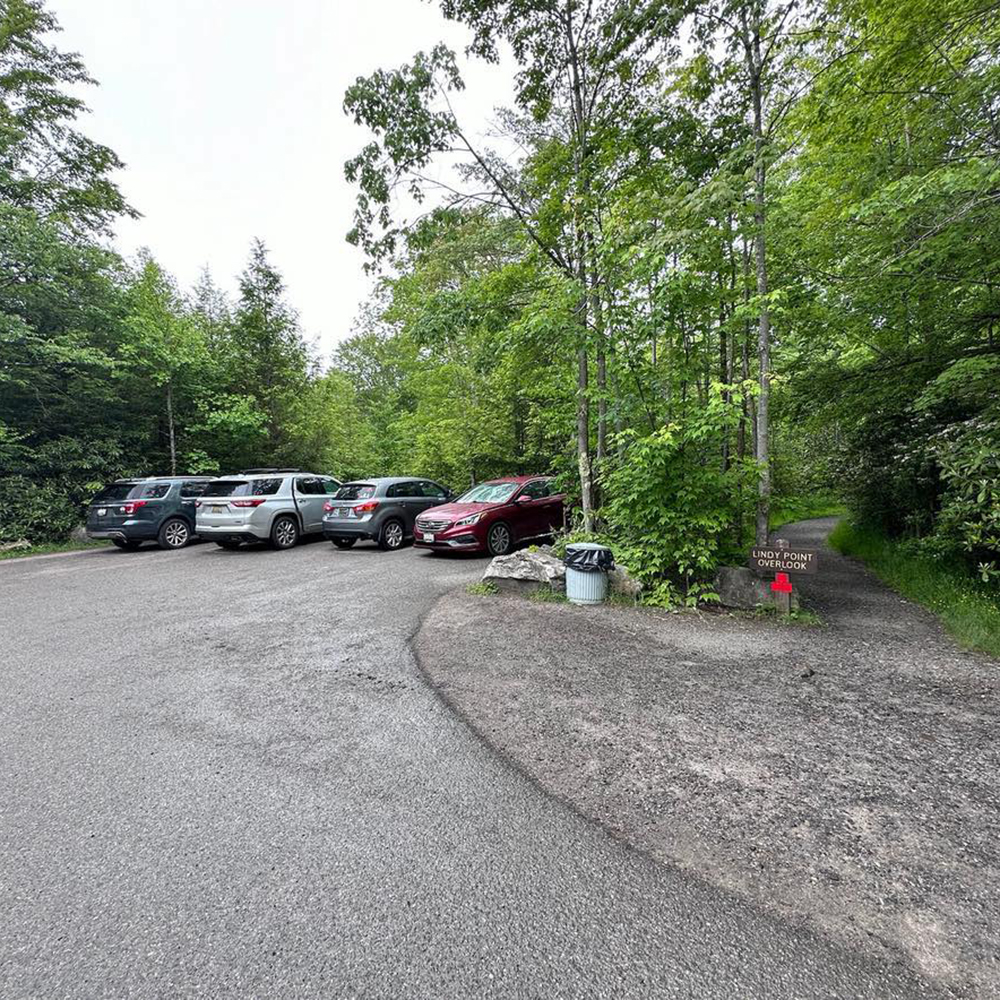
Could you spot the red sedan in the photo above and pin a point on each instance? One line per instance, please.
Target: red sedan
(493, 516)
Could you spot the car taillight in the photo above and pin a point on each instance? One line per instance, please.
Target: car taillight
(255, 502)
(131, 508)
(365, 508)
(328, 506)
(197, 503)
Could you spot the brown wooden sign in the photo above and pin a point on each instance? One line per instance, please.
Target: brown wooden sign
(777, 559)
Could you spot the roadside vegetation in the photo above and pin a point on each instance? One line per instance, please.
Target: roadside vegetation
(969, 608)
(715, 279)
(50, 548)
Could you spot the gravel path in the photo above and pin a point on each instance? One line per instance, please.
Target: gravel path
(842, 776)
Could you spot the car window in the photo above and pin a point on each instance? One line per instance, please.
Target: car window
(433, 490)
(537, 489)
(264, 487)
(330, 486)
(149, 491)
(355, 491)
(488, 493)
(113, 492)
(410, 489)
(310, 486)
(194, 489)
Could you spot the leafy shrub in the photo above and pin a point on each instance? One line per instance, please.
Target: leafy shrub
(671, 509)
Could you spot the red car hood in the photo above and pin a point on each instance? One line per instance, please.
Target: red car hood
(454, 511)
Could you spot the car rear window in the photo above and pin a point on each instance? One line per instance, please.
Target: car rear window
(488, 493)
(242, 488)
(114, 492)
(149, 491)
(355, 491)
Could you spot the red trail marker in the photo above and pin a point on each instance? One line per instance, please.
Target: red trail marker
(782, 584)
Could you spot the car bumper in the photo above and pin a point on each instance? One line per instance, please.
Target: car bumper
(348, 531)
(229, 531)
(132, 531)
(450, 541)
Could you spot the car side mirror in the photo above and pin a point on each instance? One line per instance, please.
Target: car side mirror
(523, 498)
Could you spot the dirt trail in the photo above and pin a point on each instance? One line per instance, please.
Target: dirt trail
(844, 776)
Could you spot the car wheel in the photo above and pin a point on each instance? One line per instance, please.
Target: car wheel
(344, 543)
(392, 535)
(173, 534)
(499, 540)
(228, 543)
(284, 533)
(125, 544)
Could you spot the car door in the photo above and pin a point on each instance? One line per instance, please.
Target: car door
(411, 501)
(552, 517)
(190, 491)
(310, 495)
(431, 495)
(532, 517)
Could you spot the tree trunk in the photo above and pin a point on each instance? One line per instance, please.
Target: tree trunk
(755, 70)
(170, 429)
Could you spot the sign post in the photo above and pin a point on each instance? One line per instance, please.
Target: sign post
(781, 559)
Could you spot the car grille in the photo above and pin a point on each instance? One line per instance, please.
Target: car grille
(430, 524)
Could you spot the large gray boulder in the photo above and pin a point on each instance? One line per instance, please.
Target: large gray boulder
(526, 571)
(79, 534)
(622, 583)
(738, 587)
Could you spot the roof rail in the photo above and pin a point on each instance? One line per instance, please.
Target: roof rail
(251, 472)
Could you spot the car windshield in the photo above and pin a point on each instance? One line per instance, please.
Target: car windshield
(488, 493)
(149, 491)
(113, 492)
(355, 491)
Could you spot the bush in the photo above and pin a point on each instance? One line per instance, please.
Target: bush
(38, 511)
(672, 512)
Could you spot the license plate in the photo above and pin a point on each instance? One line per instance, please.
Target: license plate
(428, 537)
(101, 511)
(216, 509)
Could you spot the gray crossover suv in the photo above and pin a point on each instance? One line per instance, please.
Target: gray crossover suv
(268, 505)
(382, 510)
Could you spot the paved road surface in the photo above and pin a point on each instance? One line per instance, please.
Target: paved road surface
(221, 775)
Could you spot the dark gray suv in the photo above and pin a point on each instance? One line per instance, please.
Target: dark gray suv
(382, 510)
(159, 509)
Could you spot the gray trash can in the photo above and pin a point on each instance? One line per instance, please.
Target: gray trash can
(587, 565)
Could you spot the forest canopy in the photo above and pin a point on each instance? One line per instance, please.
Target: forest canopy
(746, 251)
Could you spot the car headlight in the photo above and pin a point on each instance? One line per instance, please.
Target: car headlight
(466, 521)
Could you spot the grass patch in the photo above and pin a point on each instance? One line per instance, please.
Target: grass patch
(485, 588)
(802, 616)
(970, 610)
(546, 595)
(784, 510)
(47, 548)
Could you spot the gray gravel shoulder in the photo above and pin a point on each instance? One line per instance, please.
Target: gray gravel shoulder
(842, 777)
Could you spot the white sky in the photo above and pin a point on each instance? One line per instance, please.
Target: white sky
(228, 115)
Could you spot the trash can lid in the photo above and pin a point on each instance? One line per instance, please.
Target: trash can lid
(593, 546)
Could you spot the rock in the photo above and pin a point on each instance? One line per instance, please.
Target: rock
(622, 583)
(21, 543)
(526, 571)
(738, 587)
(79, 534)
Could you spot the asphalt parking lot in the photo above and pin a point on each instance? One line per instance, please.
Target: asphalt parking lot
(223, 775)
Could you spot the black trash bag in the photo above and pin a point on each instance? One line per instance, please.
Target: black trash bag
(589, 560)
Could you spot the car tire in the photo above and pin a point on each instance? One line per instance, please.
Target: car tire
(392, 535)
(174, 533)
(125, 544)
(284, 533)
(499, 540)
(343, 543)
(228, 543)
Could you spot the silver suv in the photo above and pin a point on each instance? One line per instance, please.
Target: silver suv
(269, 505)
